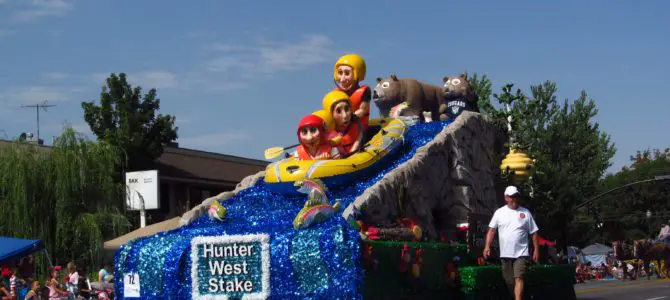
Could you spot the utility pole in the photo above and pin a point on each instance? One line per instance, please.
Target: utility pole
(37, 107)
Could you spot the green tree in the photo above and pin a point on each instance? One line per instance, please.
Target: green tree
(127, 118)
(572, 152)
(624, 211)
(64, 196)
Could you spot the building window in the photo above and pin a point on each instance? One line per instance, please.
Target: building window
(165, 197)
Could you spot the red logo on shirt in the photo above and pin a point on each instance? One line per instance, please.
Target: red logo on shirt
(522, 215)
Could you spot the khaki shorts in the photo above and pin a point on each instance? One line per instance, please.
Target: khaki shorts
(514, 268)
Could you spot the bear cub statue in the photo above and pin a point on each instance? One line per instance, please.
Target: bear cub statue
(407, 97)
(458, 96)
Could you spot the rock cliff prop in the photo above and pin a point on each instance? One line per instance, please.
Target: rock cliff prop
(456, 173)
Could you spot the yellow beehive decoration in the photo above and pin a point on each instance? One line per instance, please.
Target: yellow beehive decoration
(518, 166)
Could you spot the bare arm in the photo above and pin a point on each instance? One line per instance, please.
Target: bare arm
(356, 145)
(536, 247)
(359, 139)
(489, 237)
(364, 110)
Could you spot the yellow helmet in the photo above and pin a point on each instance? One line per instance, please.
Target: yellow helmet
(356, 62)
(327, 119)
(332, 98)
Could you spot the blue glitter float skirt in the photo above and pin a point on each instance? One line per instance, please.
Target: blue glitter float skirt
(321, 262)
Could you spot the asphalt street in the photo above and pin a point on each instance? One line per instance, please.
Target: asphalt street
(654, 289)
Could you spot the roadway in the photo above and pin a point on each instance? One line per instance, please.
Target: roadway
(654, 289)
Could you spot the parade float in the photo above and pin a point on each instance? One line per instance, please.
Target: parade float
(396, 213)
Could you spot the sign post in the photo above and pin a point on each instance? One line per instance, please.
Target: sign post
(142, 192)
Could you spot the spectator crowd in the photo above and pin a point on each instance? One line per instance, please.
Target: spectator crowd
(18, 282)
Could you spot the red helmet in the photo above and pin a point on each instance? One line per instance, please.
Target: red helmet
(312, 120)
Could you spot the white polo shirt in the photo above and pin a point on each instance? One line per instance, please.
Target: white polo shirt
(513, 226)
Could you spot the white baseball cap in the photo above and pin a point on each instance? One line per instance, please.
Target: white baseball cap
(511, 191)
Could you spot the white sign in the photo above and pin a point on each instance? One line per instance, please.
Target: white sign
(230, 266)
(142, 186)
(131, 285)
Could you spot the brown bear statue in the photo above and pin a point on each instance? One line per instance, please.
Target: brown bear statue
(416, 97)
(458, 96)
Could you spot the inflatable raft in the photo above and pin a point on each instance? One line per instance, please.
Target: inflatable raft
(387, 135)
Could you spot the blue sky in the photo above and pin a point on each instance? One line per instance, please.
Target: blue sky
(238, 75)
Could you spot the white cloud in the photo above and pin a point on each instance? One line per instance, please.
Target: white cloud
(157, 79)
(270, 58)
(6, 32)
(35, 94)
(235, 65)
(212, 140)
(100, 77)
(34, 9)
(213, 84)
(226, 63)
(57, 128)
(146, 79)
(81, 128)
(55, 75)
(229, 48)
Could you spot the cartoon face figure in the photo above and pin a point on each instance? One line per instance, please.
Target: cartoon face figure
(310, 135)
(345, 77)
(342, 113)
(451, 83)
(387, 94)
(456, 86)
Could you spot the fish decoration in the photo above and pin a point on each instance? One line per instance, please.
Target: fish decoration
(317, 207)
(315, 190)
(309, 215)
(216, 211)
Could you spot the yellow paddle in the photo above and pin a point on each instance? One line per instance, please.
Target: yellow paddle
(273, 152)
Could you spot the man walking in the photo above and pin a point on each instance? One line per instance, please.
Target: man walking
(515, 223)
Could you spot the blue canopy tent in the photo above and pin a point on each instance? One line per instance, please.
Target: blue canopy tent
(596, 254)
(15, 248)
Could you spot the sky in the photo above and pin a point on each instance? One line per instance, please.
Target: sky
(238, 75)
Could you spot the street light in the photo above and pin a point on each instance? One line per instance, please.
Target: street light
(648, 223)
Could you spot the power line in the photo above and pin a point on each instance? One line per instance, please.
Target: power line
(37, 107)
(657, 178)
(617, 217)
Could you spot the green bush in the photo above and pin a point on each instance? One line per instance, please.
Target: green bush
(542, 282)
(385, 281)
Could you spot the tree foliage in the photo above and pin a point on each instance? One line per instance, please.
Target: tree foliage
(64, 196)
(127, 118)
(624, 212)
(572, 152)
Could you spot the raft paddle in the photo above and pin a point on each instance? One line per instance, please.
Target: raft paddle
(273, 152)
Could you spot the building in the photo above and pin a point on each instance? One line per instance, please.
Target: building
(188, 176)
